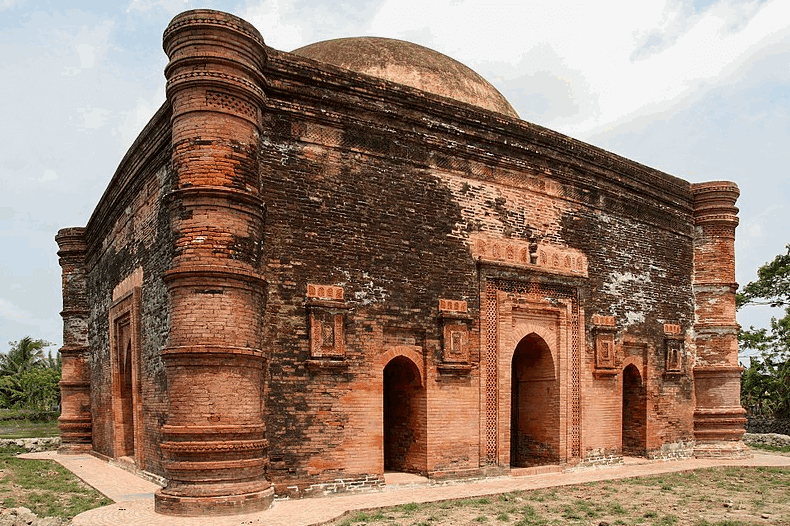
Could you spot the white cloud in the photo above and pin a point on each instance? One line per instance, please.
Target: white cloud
(171, 6)
(87, 48)
(5, 4)
(49, 175)
(133, 120)
(620, 58)
(87, 55)
(13, 312)
(269, 18)
(93, 118)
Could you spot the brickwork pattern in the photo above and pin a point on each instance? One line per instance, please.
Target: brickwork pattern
(292, 244)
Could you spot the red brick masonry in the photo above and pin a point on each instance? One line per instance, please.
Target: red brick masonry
(301, 276)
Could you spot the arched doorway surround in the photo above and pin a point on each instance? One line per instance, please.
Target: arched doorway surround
(518, 317)
(404, 418)
(634, 422)
(535, 405)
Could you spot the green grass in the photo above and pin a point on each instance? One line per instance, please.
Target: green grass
(45, 487)
(766, 447)
(649, 501)
(28, 429)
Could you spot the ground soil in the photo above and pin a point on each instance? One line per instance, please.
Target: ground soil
(711, 497)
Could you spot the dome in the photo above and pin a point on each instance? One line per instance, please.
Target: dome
(412, 65)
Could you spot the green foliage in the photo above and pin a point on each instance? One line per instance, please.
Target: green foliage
(765, 384)
(24, 355)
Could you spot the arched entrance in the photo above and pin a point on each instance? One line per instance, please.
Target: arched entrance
(535, 405)
(404, 417)
(634, 413)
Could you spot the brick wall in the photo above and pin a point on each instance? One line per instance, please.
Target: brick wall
(356, 276)
(357, 200)
(130, 232)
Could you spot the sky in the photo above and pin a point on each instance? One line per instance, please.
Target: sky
(699, 89)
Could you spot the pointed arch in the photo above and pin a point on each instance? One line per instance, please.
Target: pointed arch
(634, 413)
(404, 418)
(535, 404)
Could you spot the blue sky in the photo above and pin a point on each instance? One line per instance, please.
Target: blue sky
(699, 89)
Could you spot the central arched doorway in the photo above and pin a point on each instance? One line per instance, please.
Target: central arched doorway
(634, 413)
(535, 405)
(404, 417)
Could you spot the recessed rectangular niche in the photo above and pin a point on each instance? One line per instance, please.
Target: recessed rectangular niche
(604, 330)
(604, 350)
(455, 338)
(327, 337)
(675, 350)
(326, 317)
(456, 343)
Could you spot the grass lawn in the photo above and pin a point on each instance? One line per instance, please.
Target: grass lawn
(726, 496)
(28, 429)
(44, 486)
(766, 447)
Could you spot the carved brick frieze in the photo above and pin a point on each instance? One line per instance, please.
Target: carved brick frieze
(599, 320)
(326, 292)
(523, 253)
(672, 328)
(452, 306)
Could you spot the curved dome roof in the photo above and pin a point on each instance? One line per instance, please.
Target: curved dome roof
(412, 65)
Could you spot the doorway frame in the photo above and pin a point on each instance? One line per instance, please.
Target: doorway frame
(127, 306)
(510, 310)
(636, 364)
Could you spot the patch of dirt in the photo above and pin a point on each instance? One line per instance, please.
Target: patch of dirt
(727, 496)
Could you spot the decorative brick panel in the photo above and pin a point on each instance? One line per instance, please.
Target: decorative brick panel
(327, 292)
(672, 328)
(452, 306)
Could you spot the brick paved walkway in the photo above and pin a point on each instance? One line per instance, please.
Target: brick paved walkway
(134, 503)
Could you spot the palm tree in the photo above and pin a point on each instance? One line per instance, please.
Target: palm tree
(24, 355)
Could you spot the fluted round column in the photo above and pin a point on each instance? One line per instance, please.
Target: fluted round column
(214, 442)
(719, 419)
(75, 416)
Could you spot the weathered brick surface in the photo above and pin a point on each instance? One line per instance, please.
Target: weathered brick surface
(338, 276)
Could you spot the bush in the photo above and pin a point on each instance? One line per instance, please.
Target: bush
(35, 390)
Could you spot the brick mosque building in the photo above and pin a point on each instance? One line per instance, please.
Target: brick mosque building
(314, 267)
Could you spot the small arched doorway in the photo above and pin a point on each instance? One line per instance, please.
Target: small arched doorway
(634, 413)
(404, 417)
(535, 405)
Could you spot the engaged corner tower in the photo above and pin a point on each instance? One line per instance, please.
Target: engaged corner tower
(719, 419)
(214, 445)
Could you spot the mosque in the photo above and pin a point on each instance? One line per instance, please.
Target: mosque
(317, 267)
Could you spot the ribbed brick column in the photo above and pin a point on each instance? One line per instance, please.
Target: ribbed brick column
(75, 387)
(719, 419)
(214, 439)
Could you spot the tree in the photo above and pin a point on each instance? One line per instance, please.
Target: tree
(28, 378)
(765, 385)
(24, 355)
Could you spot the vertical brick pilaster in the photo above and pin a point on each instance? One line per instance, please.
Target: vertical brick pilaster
(719, 419)
(75, 418)
(214, 442)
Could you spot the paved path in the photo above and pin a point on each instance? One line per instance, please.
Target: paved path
(134, 503)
